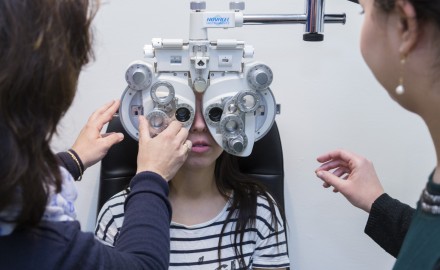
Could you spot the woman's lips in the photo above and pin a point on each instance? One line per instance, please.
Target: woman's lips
(200, 147)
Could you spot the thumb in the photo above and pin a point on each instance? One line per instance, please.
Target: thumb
(330, 179)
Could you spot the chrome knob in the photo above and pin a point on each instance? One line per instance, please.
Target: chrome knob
(237, 144)
(260, 77)
(139, 76)
(237, 6)
(198, 6)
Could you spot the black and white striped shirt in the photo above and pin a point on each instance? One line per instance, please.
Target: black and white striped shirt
(196, 246)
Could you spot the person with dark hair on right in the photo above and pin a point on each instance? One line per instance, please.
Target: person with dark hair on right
(399, 43)
(43, 46)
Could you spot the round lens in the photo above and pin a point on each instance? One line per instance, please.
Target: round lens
(215, 114)
(156, 121)
(162, 92)
(231, 126)
(183, 114)
(248, 101)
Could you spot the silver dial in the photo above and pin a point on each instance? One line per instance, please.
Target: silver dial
(139, 76)
(260, 77)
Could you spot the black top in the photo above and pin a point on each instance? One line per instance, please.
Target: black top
(143, 243)
(388, 223)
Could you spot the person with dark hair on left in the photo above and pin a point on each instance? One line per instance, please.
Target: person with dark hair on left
(43, 46)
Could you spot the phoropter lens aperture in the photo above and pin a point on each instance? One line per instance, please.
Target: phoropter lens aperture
(215, 114)
(183, 114)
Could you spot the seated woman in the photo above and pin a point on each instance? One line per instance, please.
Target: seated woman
(221, 218)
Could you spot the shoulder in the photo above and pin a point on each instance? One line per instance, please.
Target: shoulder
(111, 218)
(268, 213)
(271, 244)
(114, 202)
(115, 205)
(267, 204)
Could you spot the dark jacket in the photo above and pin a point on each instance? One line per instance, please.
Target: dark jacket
(142, 244)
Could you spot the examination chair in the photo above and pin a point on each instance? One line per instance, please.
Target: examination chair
(119, 165)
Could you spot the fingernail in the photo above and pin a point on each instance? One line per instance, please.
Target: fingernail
(319, 174)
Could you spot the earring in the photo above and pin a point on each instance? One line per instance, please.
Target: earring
(400, 89)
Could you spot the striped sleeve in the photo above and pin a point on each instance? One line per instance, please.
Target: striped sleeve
(110, 219)
(271, 246)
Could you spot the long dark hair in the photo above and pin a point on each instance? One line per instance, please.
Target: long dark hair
(246, 190)
(43, 46)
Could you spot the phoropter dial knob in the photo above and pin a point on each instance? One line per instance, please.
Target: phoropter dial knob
(139, 76)
(237, 144)
(260, 77)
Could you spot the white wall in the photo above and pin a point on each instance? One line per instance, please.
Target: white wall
(329, 100)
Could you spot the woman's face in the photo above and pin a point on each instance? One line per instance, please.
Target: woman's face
(205, 149)
(379, 45)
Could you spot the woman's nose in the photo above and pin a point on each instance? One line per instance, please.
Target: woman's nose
(199, 122)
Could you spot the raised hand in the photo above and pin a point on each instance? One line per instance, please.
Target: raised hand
(91, 146)
(352, 175)
(165, 153)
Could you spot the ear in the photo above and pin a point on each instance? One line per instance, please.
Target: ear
(409, 28)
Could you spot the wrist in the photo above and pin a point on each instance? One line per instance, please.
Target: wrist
(152, 170)
(75, 157)
(373, 200)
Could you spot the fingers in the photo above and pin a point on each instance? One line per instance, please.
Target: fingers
(104, 114)
(325, 157)
(333, 164)
(352, 175)
(175, 129)
(91, 145)
(144, 133)
(180, 134)
(109, 139)
(339, 162)
(166, 152)
(341, 171)
(331, 180)
(336, 154)
(325, 185)
(187, 145)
